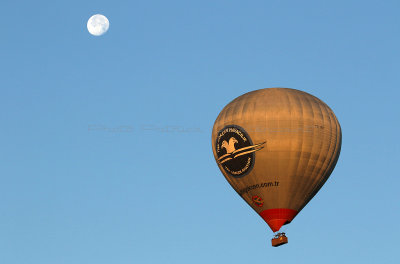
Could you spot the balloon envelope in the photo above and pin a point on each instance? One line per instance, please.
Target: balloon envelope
(276, 147)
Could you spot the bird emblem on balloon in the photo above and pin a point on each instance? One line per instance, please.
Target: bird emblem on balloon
(232, 152)
(236, 151)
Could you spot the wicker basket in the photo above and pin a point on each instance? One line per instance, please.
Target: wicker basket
(276, 242)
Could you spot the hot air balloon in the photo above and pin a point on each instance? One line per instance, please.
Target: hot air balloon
(276, 147)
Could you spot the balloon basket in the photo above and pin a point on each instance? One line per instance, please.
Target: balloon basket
(279, 240)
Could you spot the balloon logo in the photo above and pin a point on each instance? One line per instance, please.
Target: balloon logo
(235, 150)
(297, 140)
(257, 200)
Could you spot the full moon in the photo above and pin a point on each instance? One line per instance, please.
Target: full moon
(97, 25)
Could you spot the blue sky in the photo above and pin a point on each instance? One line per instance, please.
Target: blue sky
(105, 141)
